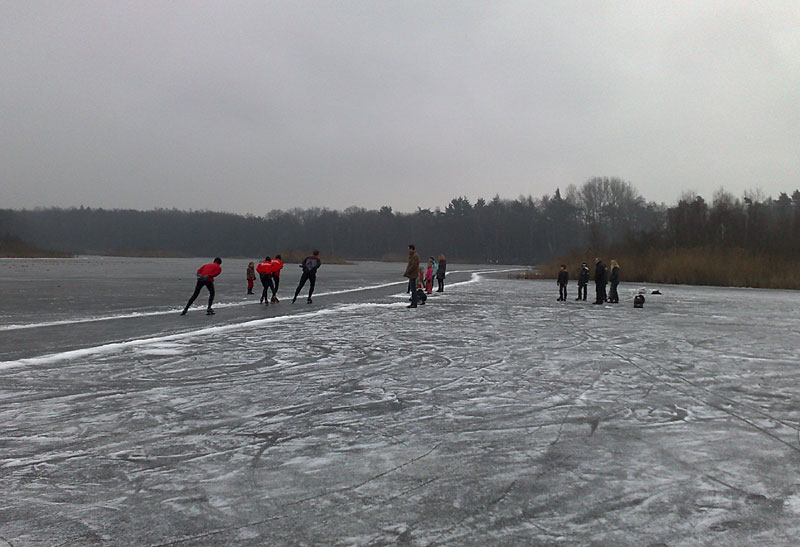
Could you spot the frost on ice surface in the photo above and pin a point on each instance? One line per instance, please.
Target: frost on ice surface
(492, 415)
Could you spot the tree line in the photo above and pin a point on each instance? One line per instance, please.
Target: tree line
(602, 213)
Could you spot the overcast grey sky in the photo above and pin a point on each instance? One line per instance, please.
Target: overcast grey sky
(252, 106)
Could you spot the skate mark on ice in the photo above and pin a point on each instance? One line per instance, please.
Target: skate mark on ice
(322, 494)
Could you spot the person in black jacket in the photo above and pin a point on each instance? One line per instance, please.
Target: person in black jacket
(440, 273)
(583, 281)
(613, 296)
(310, 266)
(599, 281)
(563, 279)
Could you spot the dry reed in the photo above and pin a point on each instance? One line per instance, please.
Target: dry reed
(697, 266)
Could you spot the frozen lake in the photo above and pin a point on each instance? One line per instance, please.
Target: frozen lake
(493, 415)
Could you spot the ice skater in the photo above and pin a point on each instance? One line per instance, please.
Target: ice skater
(563, 279)
(583, 281)
(251, 277)
(205, 278)
(310, 266)
(277, 266)
(265, 270)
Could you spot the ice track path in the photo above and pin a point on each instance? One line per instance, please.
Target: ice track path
(493, 415)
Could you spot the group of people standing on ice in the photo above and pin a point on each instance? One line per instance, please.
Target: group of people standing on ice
(420, 280)
(269, 272)
(602, 278)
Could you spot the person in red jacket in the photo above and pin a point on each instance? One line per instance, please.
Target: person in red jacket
(277, 266)
(205, 278)
(265, 270)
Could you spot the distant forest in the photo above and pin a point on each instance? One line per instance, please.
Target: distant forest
(601, 214)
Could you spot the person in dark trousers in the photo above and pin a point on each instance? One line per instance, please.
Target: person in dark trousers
(251, 277)
(583, 281)
(419, 293)
(277, 266)
(613, 279)
(310, 266)
(563, 279)
(205, 278)
(264, 270)
(599, 281)
(440, 273)
(412, 271)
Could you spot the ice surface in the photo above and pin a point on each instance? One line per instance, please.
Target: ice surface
(493, 415)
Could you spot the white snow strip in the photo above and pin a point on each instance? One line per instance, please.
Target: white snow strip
(115, 347)
(92, 319)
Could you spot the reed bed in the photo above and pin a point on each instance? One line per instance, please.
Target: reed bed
(725, 267)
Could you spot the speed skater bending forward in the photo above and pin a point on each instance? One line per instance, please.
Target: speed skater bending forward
(310, 266)
(205, 278)
(277, 266)
(265, 270)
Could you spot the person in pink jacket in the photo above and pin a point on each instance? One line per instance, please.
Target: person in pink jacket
(429, 276)
(205, 278)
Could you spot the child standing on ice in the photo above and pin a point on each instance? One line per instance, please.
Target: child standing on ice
(429, 277)
(420, 290)
(251, 277)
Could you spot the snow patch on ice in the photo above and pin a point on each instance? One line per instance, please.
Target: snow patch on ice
(312, 463)
(793, 503)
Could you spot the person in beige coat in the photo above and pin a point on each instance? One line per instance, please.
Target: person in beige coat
(411, 273)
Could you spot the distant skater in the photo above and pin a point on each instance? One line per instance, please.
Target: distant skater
(563, 279)
(429, 276)
(583, 281)
(277, 266)
(264, 270)
(251, 277)
(310, 266)
(440, 273)
(613, 279)
(599, 281)
(205, 278)
(411, 269)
